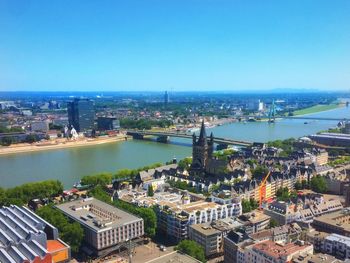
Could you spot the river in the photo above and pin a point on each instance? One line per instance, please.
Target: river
(69, 165)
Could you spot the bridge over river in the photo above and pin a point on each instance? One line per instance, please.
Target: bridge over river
(301, 117)
(164, 137)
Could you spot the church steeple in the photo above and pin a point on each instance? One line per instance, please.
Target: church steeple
(202, 135)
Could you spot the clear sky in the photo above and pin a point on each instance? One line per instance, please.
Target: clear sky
(174, 44)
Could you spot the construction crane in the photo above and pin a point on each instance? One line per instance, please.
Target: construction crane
(262, 189)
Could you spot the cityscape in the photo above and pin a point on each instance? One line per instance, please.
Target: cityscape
(124, 165)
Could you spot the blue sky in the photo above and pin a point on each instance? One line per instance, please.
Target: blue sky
(60, 45)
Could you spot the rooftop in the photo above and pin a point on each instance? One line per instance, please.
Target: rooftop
(205, 229)
(275, 250)
(96, 214)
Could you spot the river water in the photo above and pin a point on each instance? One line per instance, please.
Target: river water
(69, 165)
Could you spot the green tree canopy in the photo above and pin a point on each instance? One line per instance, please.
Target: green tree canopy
(318, 184)
(72, 233)
(192, 249)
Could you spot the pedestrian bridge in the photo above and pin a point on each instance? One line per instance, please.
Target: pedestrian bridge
(164, 137)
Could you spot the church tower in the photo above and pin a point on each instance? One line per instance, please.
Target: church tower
(202, 150)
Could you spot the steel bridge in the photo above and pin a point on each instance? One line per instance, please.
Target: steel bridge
(164, 136)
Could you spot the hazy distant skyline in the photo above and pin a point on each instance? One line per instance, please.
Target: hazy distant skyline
(175, 45)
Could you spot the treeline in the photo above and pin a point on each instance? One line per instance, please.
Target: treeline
(317, 184)
(8, 140)
(182, 185)
(286, 145)
(10, 130)
(107, 178)
(70, 232)
(191, 248)
(249, 205)
(146, 124)
(22, 194)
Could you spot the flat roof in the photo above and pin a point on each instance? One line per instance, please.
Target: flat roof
(205, 229)
(96, 215)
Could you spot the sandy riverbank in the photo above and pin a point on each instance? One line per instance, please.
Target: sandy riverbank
(57, 144)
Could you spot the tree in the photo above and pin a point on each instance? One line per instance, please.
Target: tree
(72, 233)
(150, 191)
(246, 207)
(147, 214)
(260, 171)
(98, 179)
(192, 249)
(283, 194)
(185, 163)
(22, 194)
(318, 184)
(298, 185)
(31, 138)
(6, 141)
(273, 223)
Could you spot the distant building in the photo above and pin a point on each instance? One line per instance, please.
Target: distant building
(106, 227)
(39, 126)
(25, 237)
(332, 139)
(108, 123)
(166, 97)
(81, 114)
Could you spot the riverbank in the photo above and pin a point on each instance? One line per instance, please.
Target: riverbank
(316, 109)
(57, 144)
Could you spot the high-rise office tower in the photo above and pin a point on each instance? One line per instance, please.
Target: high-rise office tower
(166, 98)
(81, 114)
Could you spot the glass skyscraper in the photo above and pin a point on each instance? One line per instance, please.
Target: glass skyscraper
(81, 114)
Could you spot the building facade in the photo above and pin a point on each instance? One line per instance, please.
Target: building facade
(81, 114)
(106, 227)
(202, 150)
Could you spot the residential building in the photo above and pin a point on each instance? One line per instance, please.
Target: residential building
(337, 245)
(81, 114)
(234, 245)
(301, 211)
(106, 227)
(280, 234)
(39, 126)
(316, 238)
(318, 258)
(337, 222)
(269, 251)
(208, 237)
(254, 222)
(174, 220)
(25, 237)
